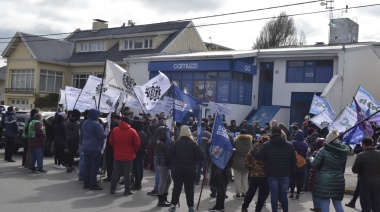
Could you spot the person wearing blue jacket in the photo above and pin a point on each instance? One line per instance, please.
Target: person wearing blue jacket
(298, 173)
(92, 137)
(11, 132)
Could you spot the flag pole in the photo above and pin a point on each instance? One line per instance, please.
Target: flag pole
(357, 90)
(356, 125)
(338, 115)
(208, 164)
(77, 98)
(101, 85)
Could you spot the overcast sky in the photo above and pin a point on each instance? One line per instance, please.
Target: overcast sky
(63, 16)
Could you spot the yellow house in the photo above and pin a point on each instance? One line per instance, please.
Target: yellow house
(40, 65)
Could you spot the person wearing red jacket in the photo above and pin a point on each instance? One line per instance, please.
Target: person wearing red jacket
(126, 143)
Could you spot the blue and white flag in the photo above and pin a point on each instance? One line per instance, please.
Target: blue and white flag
(366, 125)
(345, 121)
(320, 104)
(222, 108)
(221, 149)
(353, 137)
(365, 100)
(182, 104)
(322, 120)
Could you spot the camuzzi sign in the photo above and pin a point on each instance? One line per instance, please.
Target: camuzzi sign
(185, 65)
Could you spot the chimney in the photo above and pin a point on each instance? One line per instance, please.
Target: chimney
(99, 24)
(343, 30)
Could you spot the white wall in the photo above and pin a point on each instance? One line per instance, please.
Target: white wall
(282, 116)
(139, 71)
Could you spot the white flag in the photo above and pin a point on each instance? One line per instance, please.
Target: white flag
(222, 108)
(132, 102)
(118, 78)
(62, 97)
(347, 120)
(92, 86)
(322, 120)
(149, 93)
(72, 95)
(108, 99)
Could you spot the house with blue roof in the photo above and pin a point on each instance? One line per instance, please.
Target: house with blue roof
(41, 65)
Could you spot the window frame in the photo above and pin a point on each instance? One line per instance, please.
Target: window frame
(309, 66)
(79, 78)
(19, 78)
(85, 46)
(51, 73)
(129, 44)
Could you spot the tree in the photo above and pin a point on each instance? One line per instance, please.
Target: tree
(48, 101)
(302, 40)
(277, 32)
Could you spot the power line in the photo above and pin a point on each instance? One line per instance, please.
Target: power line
(229, 22)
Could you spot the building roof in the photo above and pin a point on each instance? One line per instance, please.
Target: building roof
(3, 71)
(42, 48)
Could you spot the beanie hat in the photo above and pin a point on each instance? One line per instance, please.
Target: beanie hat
(332, 135)
(185, 131)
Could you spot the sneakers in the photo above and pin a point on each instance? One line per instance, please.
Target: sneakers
(172, 208)
(243, 195)
(291, 196)
(215, 210)
(126, 193)
(191, 209)
(60, 166)
(237, 196)
(41, 171)
(55, 166)
(350, 204)
(153, 193)
(317, 209)
(136, 188)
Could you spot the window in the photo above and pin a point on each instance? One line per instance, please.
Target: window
(317, 71)
(91, 46)
(79, 80)
(22, 79)
(138, 43)
(50, 81)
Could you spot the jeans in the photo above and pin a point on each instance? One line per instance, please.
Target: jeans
(125, 167)
(138, 171)
(36, 155)
(183, 175)
(370, 197)
(278, 187)
(81, 163)
(316, 201)
(255, 183)
(165, 180)
(91, 167)
(9, 148)
(156, 174)
(241, 181)
(325, 205)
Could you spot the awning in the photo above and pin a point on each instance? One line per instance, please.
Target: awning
(264, 114)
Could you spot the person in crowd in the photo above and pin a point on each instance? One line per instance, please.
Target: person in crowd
(161, 122)
(294, 130)
(191, 122)
(109, 149)
(208, 129)
(81, 155)
(184, 155)
(329, 180)
(283, 128)
(256, 127)
(92, 137)
(233, 128)
(36, 138)
(59, 140)
(357, 149)
(298, 173)
(368, 170)
(274, 123)
(163, 164)
(11, 131)
(306, 125)
(258, 179)
(278, 168)
(242, 144)
(151, 130)
(246, 126)
(311, 142)
(219, 180)
(138, 162)
(312, 172)
(72, 138)
(202, 165)
(126, 143)
(26, 138)
(268, 128)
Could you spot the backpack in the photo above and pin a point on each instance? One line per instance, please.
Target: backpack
(301, 162)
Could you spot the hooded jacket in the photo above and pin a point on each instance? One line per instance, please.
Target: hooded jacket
(125, 142)
(92, 132)
(278, 155)
(242, 144)
(301, 147)
(330, 162)
(59, 132)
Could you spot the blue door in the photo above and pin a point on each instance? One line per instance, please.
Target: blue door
(300, 106)
(265, 84)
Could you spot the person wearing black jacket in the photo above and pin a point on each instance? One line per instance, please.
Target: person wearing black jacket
(109, 149)
(184, 155)
(163, 164)
(59, 140)
(72, 138)
(279, 158)
(138, 162)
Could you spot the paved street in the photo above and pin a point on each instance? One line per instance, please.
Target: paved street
(60, 191)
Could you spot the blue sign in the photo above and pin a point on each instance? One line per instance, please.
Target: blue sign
(201, 65)
(245, 68)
